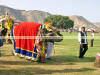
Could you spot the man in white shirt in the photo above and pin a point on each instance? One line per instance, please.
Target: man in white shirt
(82, 37)
(92, 38)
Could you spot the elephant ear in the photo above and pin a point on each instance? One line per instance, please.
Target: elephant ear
(59, 37)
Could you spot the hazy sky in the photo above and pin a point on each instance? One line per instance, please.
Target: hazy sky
(90, 9)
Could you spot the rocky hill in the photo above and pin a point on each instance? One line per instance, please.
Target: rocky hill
(97, 24)
(80, 21)
(38, 16)
(23, 15)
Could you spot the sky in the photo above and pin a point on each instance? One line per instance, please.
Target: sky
(90, 9)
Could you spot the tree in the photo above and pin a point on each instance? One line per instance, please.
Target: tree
(60, 21)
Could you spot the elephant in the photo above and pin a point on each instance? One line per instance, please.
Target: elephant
(29, 48)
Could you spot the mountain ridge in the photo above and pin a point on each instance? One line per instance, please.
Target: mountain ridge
(38, 16)
(23, 15)
(81, 21)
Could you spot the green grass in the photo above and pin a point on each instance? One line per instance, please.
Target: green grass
(65, 61)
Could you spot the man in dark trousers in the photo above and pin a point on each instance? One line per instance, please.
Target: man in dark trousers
(82, 37)
(92, 37)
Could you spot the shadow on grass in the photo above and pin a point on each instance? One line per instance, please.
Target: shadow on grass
(56, 60)
(34, 63)
(65, 58)
(97, 46)
(31, 71)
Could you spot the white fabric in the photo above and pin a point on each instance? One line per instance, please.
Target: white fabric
(49, 49)
(92, 35)
(79, 37)
(22, 56)
(2, 19)
(80, 29)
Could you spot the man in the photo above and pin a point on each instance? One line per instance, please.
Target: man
(92, 38)
(50, 45)
(50, 41)
(82, 37)
(51, 33)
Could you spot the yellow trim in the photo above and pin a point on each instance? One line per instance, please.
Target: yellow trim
(12, 40)
(35, 59)
(36, 40)
(26, 50)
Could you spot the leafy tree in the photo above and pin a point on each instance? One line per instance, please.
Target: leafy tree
(60, 21)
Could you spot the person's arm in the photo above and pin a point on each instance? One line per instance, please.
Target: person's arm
(79, 38)
(94, 31)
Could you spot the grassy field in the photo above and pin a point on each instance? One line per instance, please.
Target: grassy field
(65, 61)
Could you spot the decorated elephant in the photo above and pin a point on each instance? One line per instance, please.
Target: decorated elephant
(33, 45)
(28, 38)
(6, 24)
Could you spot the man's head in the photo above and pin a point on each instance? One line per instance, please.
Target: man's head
(92, 30)
(83, 29)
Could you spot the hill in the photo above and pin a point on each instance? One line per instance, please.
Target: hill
(80, 21)
(23, 15)
(97, 24)
(38, 16)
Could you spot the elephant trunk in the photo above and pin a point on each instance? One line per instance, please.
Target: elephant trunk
(59, 37)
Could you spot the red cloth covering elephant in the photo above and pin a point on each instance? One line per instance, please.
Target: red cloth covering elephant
(25, 38)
